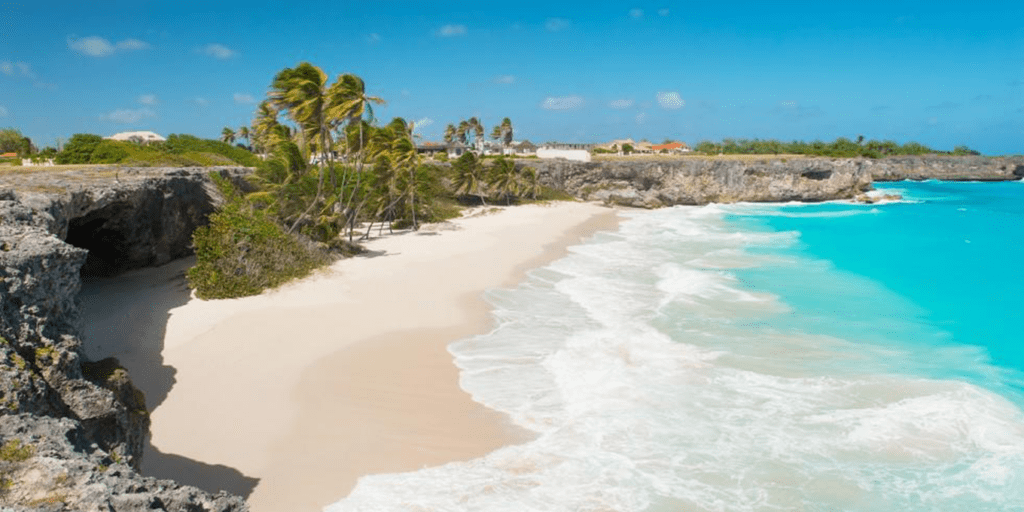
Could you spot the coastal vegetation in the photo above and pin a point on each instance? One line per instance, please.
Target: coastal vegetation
(177, 150)
(842, 147)
(327, 175)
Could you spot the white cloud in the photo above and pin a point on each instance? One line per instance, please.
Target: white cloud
(202, 102)
(218, 51)
(670, 100)
(373, 38)
(621, 104)
(636, 13)
(562, 103)
(147, 99)
(132, 44)
(662, 12)
(95, 46)
(92, 46)
(244, 99)
(504, 79)
(556, 24)
(640, 118)
(452, 30)
(3, 111)
(788, 104)
(17, 69)
(128, 116)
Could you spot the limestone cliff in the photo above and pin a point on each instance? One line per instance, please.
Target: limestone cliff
(652, 182)
(77, 417)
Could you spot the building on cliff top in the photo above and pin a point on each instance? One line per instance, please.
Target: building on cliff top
(671, 147)
(141, 137)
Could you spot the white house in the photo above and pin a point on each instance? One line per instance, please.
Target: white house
(576, 152)
(143, 137)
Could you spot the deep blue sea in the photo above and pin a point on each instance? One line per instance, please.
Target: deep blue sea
(751, 357)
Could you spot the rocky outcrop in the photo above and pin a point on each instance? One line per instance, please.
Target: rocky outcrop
(651, 183)
(52, 226)
(51, 466)
(949, 168)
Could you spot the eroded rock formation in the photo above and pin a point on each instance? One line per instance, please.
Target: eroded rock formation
(83, 423)
(652, 182)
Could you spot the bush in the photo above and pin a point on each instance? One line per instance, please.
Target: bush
(79, 149)
(243, 251)
(109, 152)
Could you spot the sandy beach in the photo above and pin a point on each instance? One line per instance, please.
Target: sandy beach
(289, 397)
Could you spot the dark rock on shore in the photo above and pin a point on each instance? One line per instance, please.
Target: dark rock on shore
(76, 414)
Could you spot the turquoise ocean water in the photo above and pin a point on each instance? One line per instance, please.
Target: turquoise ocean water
(757, 357)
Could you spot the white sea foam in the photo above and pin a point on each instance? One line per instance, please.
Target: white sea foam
(645, 396)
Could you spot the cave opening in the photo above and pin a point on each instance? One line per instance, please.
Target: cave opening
(104, 238)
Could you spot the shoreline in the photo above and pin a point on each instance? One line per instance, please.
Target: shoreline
(292, 395)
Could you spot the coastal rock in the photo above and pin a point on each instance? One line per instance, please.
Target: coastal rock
(650, 183)
(52, 226)
(55, 467)
(948, 168)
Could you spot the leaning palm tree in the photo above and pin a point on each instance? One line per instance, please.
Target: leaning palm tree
(449, 133)
(304, 93)
(469, 177)
(353, 104)
(505, 178)
(243, 133)
(227, 135)
(264, 125)
(506, 133)
(478, 133)
(530, 183)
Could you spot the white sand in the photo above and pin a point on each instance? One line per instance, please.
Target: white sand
(308, 387)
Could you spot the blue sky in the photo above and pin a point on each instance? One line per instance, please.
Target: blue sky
(941, 73)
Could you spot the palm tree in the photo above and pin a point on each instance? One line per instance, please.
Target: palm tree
(531, 183)
(505, 179)
(506, 133)
(264, 125)
(478, 132)
(227, 135)
(462, 132)
(469, 179)
(450, 133)
(243, 133)
(353, 104)
(303, 91)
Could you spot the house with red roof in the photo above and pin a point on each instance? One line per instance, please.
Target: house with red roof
(671, 147)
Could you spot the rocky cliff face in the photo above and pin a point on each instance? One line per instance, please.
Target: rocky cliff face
(653, 182)
(65, 414)
(950, 168)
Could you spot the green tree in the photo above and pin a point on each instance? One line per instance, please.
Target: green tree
(227, 135)
(530, 183)
(450, 133)
(469, 177)
(12, 141)
(244, 133)
(505, 178)
(79, 149)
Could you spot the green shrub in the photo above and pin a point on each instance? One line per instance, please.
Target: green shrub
(79, 149)
(109, 152)
(243, 251)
